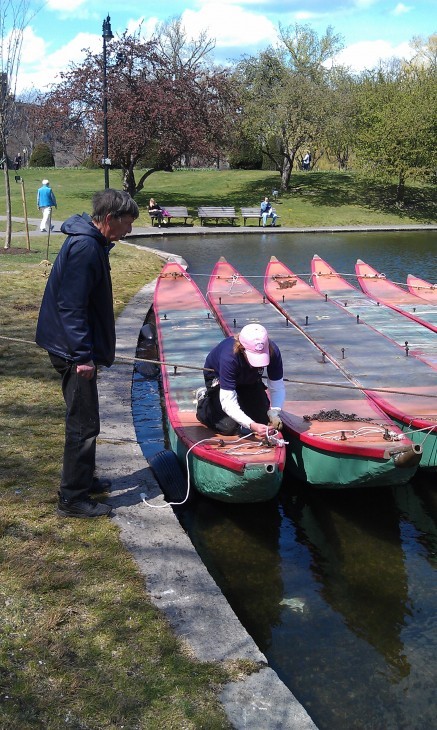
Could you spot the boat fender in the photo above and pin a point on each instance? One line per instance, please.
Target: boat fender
(169, 475)
(407, 458)
(147, 350)
(148, 332)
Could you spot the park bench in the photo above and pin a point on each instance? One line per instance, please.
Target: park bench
(216, 212)
(252, 213)
(175, 212)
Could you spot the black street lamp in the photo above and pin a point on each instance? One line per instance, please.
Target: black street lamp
(107, 36)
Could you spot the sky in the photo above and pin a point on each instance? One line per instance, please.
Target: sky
(59, 30)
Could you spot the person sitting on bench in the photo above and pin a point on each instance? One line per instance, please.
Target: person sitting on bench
(267, 212)
(155, 211)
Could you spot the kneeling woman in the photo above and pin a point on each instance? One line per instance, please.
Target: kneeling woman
(235, 396)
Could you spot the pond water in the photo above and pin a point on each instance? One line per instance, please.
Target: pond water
(337, 589)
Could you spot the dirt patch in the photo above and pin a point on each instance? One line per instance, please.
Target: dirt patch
(13, 251)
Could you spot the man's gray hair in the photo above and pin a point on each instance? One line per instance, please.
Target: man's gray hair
(115, 202)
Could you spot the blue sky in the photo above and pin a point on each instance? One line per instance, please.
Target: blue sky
(371, 29)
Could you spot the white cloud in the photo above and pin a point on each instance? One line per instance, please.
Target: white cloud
(147, 26)
(401, 9)
(40, 68)
(230, 25)
(71, 6)
(367, 54)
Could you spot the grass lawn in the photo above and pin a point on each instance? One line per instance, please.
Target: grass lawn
(81, 645)
(315, 198)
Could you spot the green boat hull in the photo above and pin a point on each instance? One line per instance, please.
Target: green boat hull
(255, 484)
(428, 442)
(325, 470)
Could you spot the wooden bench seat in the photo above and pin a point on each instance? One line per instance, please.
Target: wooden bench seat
(253, 213)
(175, 212)
(216, 212)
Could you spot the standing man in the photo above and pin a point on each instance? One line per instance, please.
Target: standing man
(76, 326)
(45, 200)
(267, 212)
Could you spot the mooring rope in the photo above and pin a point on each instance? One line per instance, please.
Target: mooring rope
(132, 359)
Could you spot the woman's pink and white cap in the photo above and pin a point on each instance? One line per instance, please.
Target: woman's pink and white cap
(255, 341)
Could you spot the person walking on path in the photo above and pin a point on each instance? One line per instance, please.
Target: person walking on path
(234, 398)
(76, 326)
(45, 200)
(267, 212)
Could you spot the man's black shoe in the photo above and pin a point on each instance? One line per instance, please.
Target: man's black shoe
(100, 485)
(83, 508)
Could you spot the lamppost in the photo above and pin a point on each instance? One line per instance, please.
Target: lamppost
(107, 36)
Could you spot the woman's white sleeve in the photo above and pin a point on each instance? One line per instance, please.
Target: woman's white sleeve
(277, 392)
(229, 403)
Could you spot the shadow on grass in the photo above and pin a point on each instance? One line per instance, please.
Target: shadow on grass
(334, 190)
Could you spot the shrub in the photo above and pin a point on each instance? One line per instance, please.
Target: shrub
(42, 156)
(90, 163)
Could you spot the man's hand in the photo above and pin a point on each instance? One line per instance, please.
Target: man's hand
(274, 418)
(86, 370)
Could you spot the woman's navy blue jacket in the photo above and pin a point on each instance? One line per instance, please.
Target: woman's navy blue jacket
(76, 319)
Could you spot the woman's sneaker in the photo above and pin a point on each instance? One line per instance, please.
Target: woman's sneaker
(200, 394)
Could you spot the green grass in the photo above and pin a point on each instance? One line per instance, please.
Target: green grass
(81, 645)
(315, 198)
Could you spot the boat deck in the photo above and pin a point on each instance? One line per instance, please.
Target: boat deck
(386, 292)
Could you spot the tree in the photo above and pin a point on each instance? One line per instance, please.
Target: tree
(340, 122)
(284, 92)
(14, 17)
(397, 123)
(165, 99)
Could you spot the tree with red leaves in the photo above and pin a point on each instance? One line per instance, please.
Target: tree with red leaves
(165, 100)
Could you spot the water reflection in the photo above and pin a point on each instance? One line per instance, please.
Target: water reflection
(357, 557)
(240, 547)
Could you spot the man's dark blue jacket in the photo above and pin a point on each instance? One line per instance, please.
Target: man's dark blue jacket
(76, 319)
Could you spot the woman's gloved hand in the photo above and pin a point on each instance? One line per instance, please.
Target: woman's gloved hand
(274, 418)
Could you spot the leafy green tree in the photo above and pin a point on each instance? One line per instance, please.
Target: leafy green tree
(338, 134)
(396, 123)
(284, 94)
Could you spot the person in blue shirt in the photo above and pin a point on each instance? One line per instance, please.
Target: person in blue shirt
(234, 399)
(45, 200)
(76, 326)
(267, 212)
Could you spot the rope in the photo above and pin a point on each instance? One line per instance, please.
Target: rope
(133, 359)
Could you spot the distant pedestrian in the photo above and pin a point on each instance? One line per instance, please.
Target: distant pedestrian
(17, 161)
(306, 162)
(45, 201)
(76, 326)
